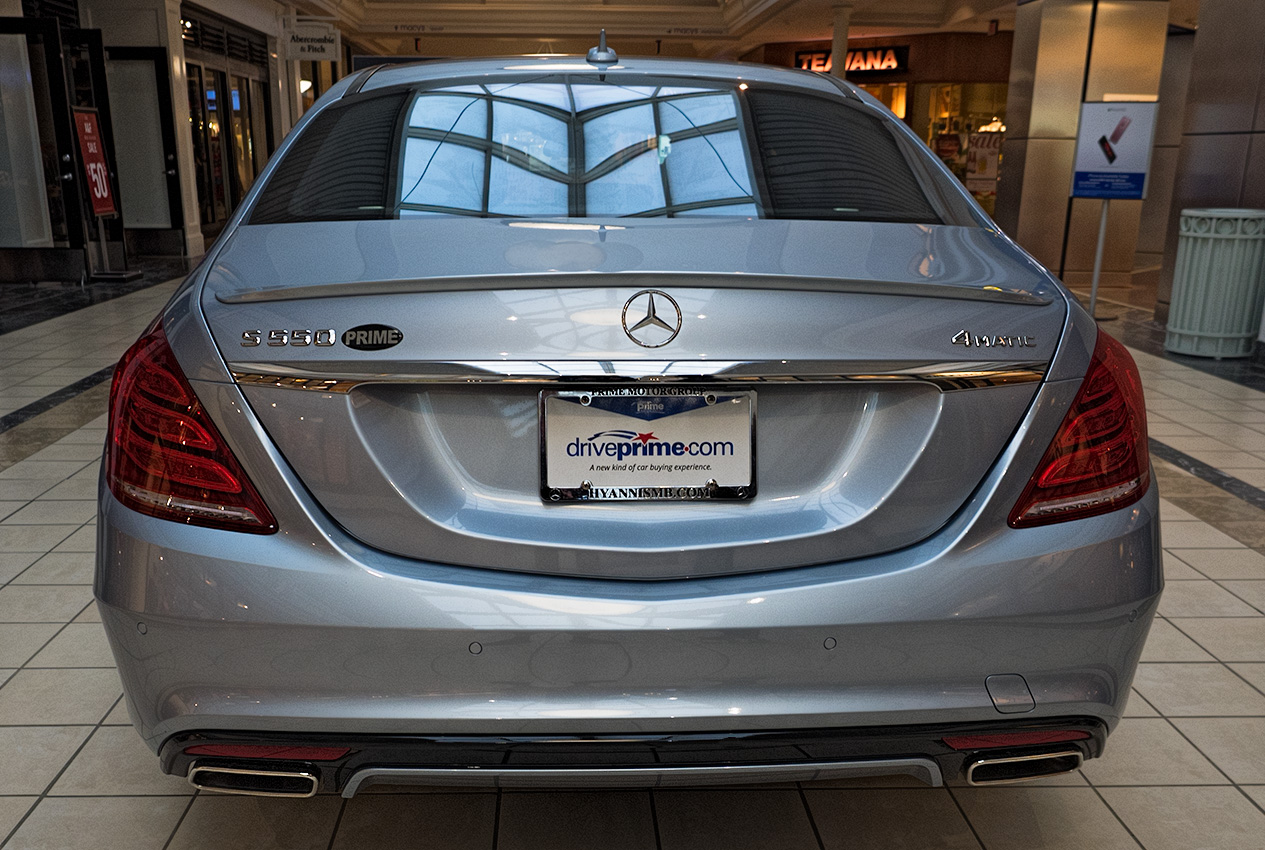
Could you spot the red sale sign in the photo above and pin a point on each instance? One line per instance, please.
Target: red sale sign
(92, 149)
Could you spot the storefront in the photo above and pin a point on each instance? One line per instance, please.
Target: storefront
(200, 100)
(58, 195)
(950, 88)
(110, 97)
(315, 78)
(226, 71)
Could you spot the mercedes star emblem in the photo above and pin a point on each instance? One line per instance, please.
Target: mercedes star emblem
(652, 331)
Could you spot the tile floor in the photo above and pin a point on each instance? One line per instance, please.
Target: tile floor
(23, 304)
(1185, 769)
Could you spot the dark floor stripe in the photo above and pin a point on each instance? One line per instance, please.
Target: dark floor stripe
(48, 402)
(26, 304)
(1137, 328)
(1241, 489)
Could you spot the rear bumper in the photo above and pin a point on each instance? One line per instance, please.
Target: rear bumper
(317, 635)
(632, 760)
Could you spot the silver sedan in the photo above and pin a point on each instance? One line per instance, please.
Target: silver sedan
(553, 421)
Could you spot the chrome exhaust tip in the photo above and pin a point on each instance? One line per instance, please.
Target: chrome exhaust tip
(255, 783)
(1003, 771)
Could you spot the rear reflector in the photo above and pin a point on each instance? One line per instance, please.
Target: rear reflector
(1098, 461)
(1013, 739)
(268, 751)
(164, 456)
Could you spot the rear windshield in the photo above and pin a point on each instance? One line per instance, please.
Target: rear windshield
(577, 148)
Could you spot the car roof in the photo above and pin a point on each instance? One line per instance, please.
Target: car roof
(503, 67)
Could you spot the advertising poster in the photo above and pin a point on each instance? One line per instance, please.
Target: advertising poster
(982, 158)
(948, 147)
(93, 152)
(1113, 150)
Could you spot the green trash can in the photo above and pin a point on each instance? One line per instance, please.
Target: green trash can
(1218, 284)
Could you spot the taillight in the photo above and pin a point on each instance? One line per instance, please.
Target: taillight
(164, 456)
(1098, 460)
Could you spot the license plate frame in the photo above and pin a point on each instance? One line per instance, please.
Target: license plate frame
(719, 477)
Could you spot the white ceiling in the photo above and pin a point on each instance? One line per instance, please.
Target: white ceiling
(706, 28)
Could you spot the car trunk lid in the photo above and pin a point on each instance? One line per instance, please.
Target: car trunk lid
(882, 381)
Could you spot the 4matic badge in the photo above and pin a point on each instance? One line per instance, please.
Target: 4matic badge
(968, 339)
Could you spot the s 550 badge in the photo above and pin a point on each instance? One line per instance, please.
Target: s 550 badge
(281, 336)
(372, 337)
(361, 338)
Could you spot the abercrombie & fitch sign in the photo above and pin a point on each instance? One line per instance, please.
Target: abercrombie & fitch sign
(313, 41)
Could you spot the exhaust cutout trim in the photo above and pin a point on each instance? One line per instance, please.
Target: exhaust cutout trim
(253, 783)
(1022, 768)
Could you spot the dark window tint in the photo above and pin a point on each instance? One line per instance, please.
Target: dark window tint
(574, 148)
(340, 168)
(825, 160)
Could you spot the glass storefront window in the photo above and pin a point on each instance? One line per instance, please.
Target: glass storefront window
(892, 95)
(315, 78)
(24, 209)
(964, 107)
(228, 118)
(259, 124)
(214, 124)
(966, 123)
(228, 69)
(243, 138)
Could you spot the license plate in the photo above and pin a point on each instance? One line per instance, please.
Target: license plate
(639, 444)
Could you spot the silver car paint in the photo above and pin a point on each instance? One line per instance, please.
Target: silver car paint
(330, 635)
(333, 636)
(257, 260)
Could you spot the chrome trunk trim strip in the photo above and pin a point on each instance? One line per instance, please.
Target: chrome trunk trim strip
(923, 769)
(632, 280)
(328, 378)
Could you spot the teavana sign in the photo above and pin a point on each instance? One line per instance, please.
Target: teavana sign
(877, 60)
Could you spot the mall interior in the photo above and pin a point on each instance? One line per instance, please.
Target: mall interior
(187, 101)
